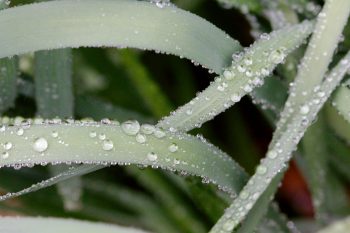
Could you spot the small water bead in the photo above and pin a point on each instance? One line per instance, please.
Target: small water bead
(131, 127)
(54, 134)
(272, 154)
(235, 98)
(304, 109)
(5, 155)
(107, 145)
(173, 147)
(277, 56)
(147, 128)
(92, 134)
(158, 133)
(247, 88)
(20, 131)
(241, 68)
(8, 145)
(248, 61)
(102, 136)
(151, 156)
(261, 169)
(140, 138)
(40, 144)
(228, 75)
(221, 87)
(229, 225)
(244, 195)
(189, 111)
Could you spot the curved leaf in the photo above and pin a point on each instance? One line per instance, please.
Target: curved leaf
(246, 73)
(108, 143)
(138, 24)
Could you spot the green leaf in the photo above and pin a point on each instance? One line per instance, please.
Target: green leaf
(341, 101)
(55, 225)
(279, 154)
(123, 23)
(8, 82)
(108, 143)
(246, 73)
(53, 83)
(337, 227)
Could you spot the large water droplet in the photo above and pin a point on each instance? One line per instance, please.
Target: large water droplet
(131, 127)
(40, 144)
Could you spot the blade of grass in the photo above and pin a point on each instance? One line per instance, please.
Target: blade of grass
(52, 225)
(95, 143)
(122, 23)
(337, 227)
(246, 73)
(278, 155)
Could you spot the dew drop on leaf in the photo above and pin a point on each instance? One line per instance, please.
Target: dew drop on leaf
(40, 144)
(107, 145)
(151, 156)
(173, 147)
(131, 127)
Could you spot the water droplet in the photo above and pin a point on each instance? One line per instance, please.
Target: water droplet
(7, 145)
(228, 226)
(261, 169)
(20, 132)
(54, 134)
(107, 145)
(277, 56)
(40, 144)
(248, 61)
(235, 98)
(147, 128)
(272, 154)
(244, 195)
(5, 155)
(228, 75)
(158, 133)
(304, 109)
(140, 138)
(241, 68)
(151, 156)
(173, 147)
(131, 127)
(92, 134)
(102, 136)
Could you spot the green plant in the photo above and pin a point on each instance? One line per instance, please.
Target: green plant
(73, 134)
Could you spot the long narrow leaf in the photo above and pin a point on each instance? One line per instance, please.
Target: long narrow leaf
(246, 73)
(52, 225)
(139, 24)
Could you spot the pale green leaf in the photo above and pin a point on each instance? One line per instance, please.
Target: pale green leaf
(123, 23)
(246, 73)
(55, 225)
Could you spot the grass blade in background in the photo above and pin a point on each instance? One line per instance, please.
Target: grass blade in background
(338, 227)
(53, 83)
(54, 98)
(8, 79)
